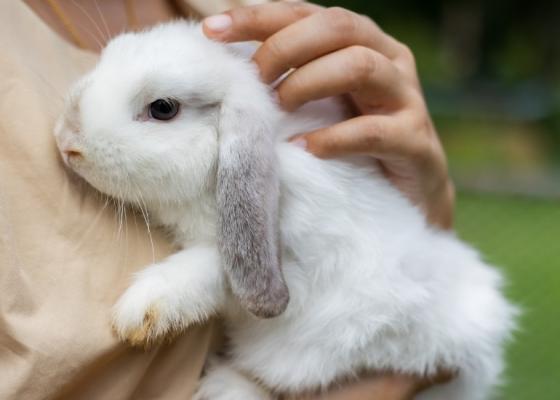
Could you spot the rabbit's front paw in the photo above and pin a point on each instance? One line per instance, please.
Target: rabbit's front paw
(144, 315)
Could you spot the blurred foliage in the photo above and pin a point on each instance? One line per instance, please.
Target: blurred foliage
(489, 69)
(461, 41)
(491, 74)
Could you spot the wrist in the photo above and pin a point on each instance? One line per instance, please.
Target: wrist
(400, 387)
(440, 211)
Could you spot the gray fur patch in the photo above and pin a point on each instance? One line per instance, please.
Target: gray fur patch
(247, 199)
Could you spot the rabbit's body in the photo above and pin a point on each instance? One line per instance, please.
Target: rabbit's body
(372, 287)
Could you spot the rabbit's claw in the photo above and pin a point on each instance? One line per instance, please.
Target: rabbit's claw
(142, 317)
(144, 335)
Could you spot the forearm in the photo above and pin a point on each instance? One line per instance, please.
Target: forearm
(378, 387)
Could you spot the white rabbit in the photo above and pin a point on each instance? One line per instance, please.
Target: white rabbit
(181, 124)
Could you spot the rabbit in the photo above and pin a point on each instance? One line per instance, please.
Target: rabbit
(319, 268)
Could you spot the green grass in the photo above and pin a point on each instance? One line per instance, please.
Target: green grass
(522, 236)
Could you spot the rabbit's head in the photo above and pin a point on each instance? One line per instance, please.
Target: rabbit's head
(168, 116)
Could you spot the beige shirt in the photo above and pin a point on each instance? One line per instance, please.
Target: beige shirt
(63, 259)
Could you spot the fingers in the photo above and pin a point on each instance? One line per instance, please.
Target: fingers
(372, 135)
(295, 33)
(256, 22)
(352, 69)
(316, 35)
(385, 137)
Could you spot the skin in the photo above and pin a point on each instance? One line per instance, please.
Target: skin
(381, 387)
(336, 52)
(96, 21)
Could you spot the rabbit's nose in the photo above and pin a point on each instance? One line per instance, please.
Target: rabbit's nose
(72, 153)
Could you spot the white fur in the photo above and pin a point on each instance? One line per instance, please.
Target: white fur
(371, 285)
(224, 382)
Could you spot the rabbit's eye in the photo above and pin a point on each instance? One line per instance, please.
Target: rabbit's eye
(164, 109)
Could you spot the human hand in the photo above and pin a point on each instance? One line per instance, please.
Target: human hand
(381, 387)
(334, 52)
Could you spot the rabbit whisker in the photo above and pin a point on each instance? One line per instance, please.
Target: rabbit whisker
(88, 16)
(146, 216)
(103, 20)
(47, 83)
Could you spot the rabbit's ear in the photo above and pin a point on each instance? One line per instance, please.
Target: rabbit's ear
(247, 199)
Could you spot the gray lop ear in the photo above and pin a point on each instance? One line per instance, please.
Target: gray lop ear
(247, 198)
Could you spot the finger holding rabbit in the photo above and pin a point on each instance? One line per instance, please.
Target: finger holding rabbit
(334, 52)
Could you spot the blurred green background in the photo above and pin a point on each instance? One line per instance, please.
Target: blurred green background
(491, 74)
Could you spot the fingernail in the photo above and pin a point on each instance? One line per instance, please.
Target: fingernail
(218, 23)
(301, 143)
